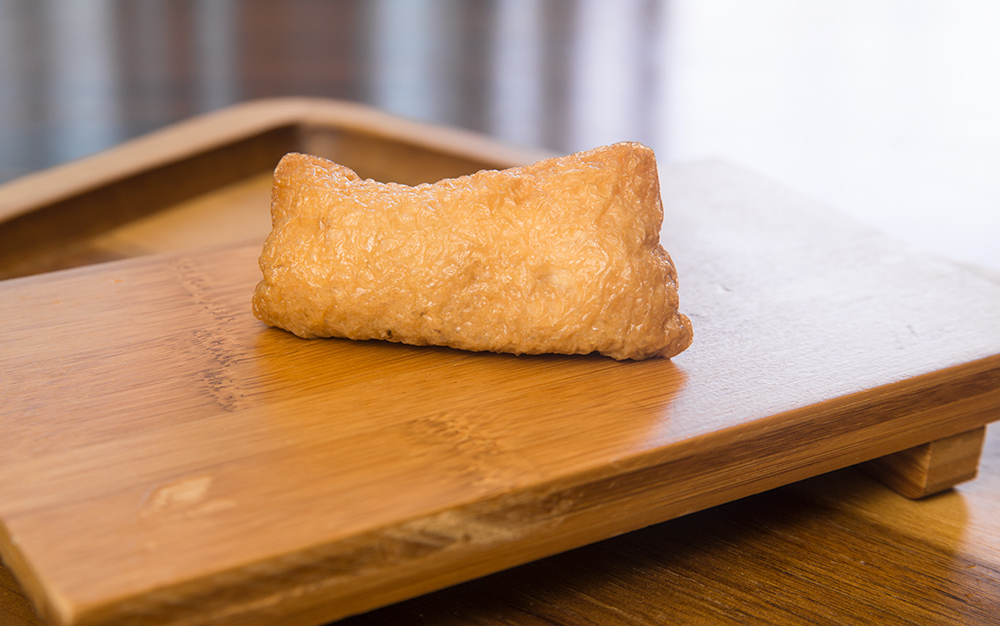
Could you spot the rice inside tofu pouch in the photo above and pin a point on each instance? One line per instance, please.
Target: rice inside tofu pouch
(562, 256)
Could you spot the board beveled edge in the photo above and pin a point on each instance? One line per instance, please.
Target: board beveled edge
(53, 212)
(49, 604)
(229, 126)
(416, 556)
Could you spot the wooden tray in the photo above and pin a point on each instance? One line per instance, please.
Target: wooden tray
(168, 459)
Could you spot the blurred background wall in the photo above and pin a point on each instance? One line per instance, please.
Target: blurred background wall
(885, 109)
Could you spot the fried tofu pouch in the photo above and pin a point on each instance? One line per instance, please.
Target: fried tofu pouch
(562, 256)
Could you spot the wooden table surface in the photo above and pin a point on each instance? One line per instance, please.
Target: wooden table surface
(838, 548)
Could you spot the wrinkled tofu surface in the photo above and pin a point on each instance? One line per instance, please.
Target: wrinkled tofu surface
(562, 256)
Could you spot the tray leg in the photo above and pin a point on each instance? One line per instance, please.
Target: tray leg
(932, 467)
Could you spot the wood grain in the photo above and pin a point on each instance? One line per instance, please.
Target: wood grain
(173, 460)
(60, 217)
(931, 467)
(835, 549)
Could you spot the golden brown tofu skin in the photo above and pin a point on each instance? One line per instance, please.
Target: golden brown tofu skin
(562, 256)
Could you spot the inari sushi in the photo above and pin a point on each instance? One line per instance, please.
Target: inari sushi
(562, 256)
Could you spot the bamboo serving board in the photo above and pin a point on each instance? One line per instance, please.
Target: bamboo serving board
(168, 459)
